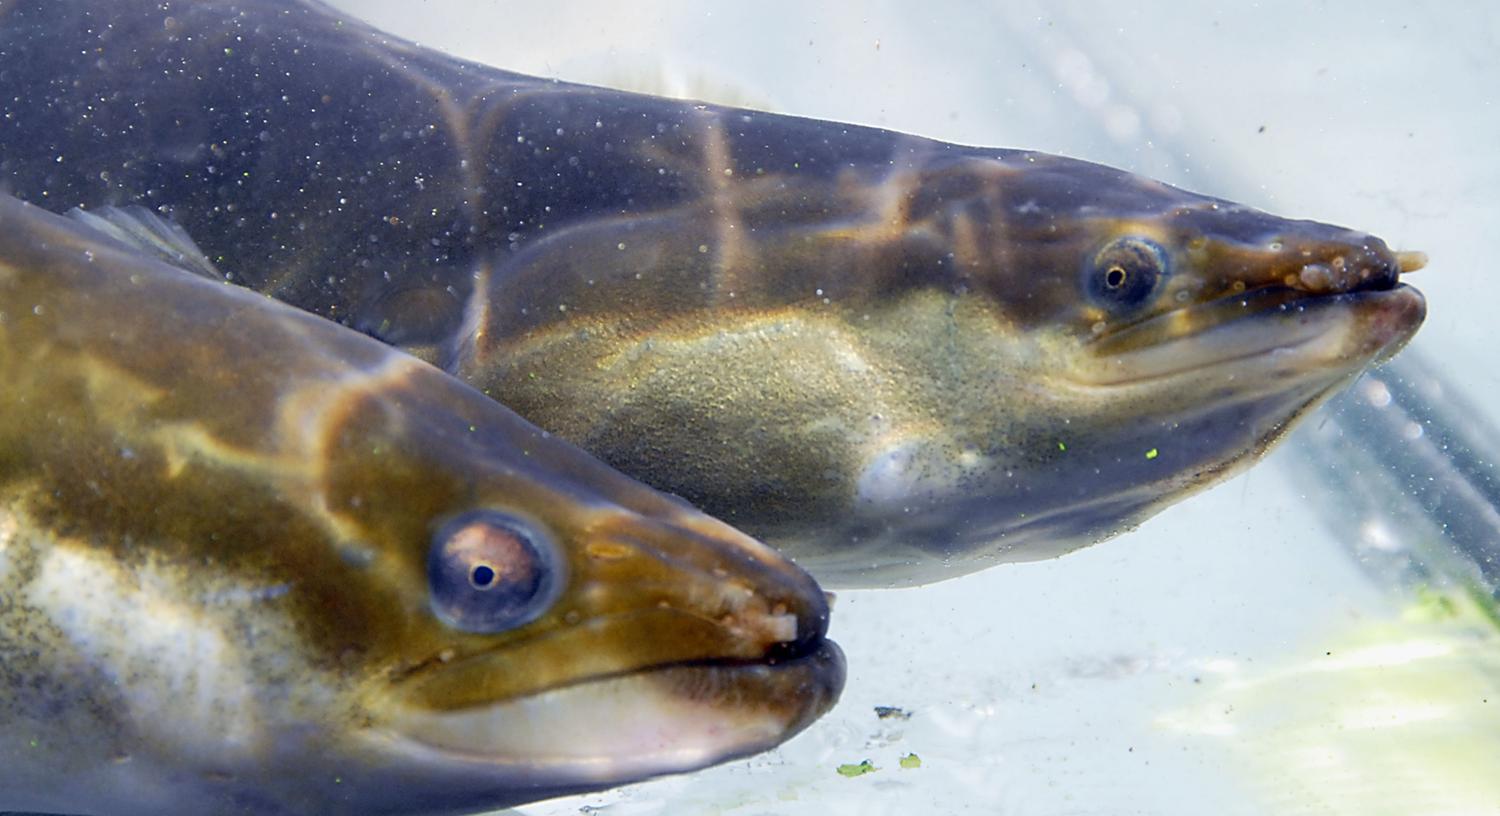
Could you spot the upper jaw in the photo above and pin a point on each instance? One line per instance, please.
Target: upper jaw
(1230, 249)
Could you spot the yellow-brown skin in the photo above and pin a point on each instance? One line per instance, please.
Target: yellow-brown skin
(194, 463)
(920, 379)
(878, 352)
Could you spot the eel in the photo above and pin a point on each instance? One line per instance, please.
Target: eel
(896, 359)
(252, 561)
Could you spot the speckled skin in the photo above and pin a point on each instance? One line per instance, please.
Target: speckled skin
(876, 351)
(215, 517)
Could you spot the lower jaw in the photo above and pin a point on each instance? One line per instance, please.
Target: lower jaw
(1316, 338)
(624, 728)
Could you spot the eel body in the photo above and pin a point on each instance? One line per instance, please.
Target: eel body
(254, 562)
(896, 359)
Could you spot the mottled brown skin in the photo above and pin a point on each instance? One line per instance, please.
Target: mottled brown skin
(215, 519)
(880, 353)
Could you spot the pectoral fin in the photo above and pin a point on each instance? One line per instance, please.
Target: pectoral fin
(140, 228)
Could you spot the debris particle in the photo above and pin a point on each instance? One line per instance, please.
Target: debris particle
(857, 769)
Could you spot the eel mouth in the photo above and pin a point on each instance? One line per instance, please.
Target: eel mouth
(638, 723)
(1267, 333)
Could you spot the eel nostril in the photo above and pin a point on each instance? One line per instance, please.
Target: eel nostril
(1409, 261)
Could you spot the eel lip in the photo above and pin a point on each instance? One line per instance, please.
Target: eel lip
(1282, 331)
(636, 724)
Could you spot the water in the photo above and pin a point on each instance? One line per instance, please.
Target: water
(1231, 656)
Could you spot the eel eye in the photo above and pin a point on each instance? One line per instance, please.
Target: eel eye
(1123, 275)
(489, 572)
